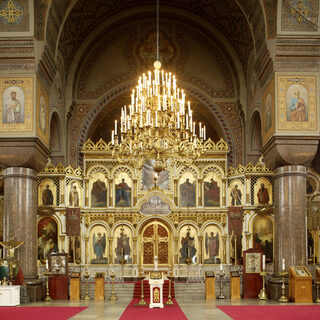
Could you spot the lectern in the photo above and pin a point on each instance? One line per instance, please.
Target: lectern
(156, 289)
(300, 284)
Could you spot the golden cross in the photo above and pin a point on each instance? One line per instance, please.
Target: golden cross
(11, 13)
(300, 12)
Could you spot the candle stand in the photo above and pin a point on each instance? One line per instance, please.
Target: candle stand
(47, 273)
(262, 295)
(283, 298)
(113, 297)
(221, 274)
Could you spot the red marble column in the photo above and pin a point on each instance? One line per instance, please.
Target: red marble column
(20, 215)
(290, 217)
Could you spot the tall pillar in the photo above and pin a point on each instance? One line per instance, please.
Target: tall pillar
(20, 216)
(290, 217)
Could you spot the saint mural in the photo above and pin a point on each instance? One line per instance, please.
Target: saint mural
(13, 105)
(263, 195)
(74, 250)
(268, 113)
(123, 194)
(123, 249)
(235, 195)
(211, 193)
(188, 193)
(98, 194)
(188, 249)
(212, 246)
(47, 196)
(74, 196)
(99, 248)
(263, 236)
(47, 238)
(297, 106)
(42, 115)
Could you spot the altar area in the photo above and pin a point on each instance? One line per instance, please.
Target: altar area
(112, 217)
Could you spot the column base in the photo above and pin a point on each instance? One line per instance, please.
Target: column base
(274, 287)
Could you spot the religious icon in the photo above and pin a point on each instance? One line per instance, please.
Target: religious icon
(74, 250)
(99, 248)
(297, 109)
(123, 194)
(123, 249)
(268, 113)
(47, 237)
(211, 191)
(235, 195)
(73, 196)
(188, 249)
(43, 112)
(99, 194)
(47, 196)
(253, 262)
(150, 177)
(188, 193)
(212, 246)
(263, 236)
(58, 263)
(263, 195)
(13, 102)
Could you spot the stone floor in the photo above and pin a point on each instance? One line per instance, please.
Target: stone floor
(194, 310)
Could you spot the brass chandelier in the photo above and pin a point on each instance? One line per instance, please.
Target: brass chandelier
(158, 124)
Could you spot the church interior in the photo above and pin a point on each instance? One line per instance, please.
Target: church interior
(160, 152)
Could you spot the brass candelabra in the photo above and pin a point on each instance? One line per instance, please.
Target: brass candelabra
(317, 291)
(262, 295)
(47, 273)
(283, 298)
(113, 297)
(221, 274)
(142, 301)
(169, 302)
(87, 276)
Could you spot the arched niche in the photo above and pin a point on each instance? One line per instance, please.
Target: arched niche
(254, 141)
(56, 139)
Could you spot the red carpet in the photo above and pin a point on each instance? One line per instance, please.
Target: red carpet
(292, 312)
(34, 313)
(145, 313)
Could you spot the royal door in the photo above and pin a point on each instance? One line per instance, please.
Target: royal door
(155, 240)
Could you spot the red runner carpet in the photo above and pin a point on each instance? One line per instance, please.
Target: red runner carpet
(145, 313)
(35, 313)
(292, 312)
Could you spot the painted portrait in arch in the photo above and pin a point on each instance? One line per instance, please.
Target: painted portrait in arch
(297, 103)
(47, 193)
(311, 185)
(188, 244)
(236, 193)
(211, 190)
(74, 194)
(263, 192)
(268, 113)
(99, 192)
(123, 187)
(187, 190)
(47, 237)
(262, 231)
(13, 105)
(212, 245)
(98, 245)
(122, 244)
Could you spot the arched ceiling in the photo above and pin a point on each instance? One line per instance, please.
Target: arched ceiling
(70, 22)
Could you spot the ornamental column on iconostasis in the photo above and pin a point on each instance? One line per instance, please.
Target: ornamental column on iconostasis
(290, 129)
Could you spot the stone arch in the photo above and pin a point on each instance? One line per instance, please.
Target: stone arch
(56, 143)
(255, 134)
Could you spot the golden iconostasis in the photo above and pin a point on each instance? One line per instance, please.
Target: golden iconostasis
(134, 214)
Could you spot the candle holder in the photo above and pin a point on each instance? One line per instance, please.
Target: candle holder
(169, 302)
(317, 291)
(142, 301)
(113, 297)
(283, 298)
(47, 273)
(87, 276)
(262, 295)
(221, 274)
(122, 261)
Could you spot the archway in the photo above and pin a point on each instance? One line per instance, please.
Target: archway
(155, 240)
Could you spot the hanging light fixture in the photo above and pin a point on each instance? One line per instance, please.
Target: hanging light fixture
(158, 124)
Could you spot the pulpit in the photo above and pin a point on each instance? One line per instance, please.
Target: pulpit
(156, 281)
(300, 284)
